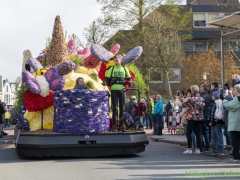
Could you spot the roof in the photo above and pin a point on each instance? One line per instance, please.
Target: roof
(231, 21)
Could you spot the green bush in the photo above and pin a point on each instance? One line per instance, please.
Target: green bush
(139, 80)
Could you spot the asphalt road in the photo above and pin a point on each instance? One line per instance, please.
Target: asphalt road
(159, 161)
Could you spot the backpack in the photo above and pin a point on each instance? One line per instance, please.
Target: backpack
(219, 112)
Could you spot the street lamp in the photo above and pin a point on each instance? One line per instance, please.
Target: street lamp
(204, 79)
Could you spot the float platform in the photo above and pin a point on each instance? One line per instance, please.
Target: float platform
(76, 145)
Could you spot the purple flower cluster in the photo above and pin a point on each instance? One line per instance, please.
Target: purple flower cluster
(128, 120)
(100, 53)
(30, 82)
(81, 111)
(55, 81)
(35, 64)
(132, 55)
(65, 67)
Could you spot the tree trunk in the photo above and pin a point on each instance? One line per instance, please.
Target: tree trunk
(140, 12)
(167, 85)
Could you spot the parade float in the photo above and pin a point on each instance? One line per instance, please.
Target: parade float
(55, 119)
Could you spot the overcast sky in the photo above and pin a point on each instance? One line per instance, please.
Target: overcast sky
(25, 24)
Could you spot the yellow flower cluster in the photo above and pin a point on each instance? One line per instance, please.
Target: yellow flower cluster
(109, 64)
(34, 119)
(84, 70)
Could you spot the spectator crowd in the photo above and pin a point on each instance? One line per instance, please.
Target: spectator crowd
(211, 118)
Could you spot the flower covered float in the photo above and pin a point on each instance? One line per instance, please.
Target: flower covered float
(50, 98)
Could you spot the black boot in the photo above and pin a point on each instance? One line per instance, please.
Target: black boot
(159, 131)
(5, 134)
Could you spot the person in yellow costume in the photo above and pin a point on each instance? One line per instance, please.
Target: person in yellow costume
(7, 118)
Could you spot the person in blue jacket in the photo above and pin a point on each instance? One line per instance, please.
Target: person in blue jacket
(157, 115)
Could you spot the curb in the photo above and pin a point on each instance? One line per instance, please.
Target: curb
(167, 141)
(228, 147)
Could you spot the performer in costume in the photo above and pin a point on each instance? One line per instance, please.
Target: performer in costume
(116, 77)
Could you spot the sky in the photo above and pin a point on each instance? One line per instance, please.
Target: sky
(25, 24)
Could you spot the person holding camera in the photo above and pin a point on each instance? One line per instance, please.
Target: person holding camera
(183, 118)
(233, 107)
(194, 117)
(116, 77)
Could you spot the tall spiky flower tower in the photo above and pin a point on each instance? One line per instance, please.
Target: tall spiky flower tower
(58, 48)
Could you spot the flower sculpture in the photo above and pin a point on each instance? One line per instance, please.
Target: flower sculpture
(34, 102)
(84, 53)
(56, 70)
(72, 47)
(41, 88)
(56, 82)
(30, 82)
(93, 60)
(103, 55)
(35, 64)
(66, 67)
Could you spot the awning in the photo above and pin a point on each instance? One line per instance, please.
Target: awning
(232, 21)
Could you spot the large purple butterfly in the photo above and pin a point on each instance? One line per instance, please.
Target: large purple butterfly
(104, 55)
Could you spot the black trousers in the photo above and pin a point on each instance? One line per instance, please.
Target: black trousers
(235, 144)
(118, 100)
(196, 127)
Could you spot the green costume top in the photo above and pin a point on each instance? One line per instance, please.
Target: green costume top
(118, 72)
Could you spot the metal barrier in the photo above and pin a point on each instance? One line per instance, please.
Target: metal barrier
(173, 120)
(122, 118)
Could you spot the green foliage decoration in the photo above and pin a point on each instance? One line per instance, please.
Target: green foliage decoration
(19, 101)
(77, 60)
(139, 81)
(90, 85)
(94, 76)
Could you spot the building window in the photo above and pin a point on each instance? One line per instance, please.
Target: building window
(215, 45)
(188, 47)
(200, 46)
(212, 17)
(199, 19)
(155, 76)
(175, 75)
(234, 45)
(202, 19)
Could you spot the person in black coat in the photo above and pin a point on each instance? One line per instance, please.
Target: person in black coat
(168, 107)
(2, 112)
(206, 113)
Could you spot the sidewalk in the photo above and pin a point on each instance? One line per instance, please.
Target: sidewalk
(167, 137)
(9, 139)
(171, 138)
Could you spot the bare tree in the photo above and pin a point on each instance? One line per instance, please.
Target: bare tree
(129, 14)
(162, 45)
(79, 43)
(96, 33)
